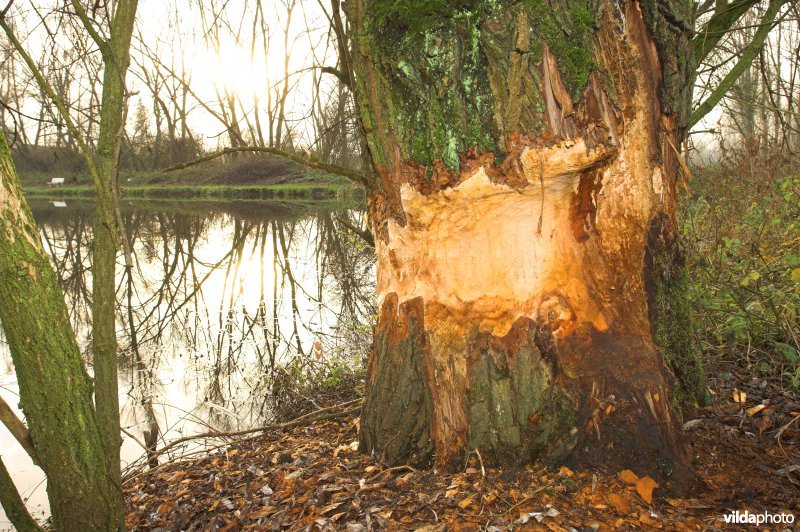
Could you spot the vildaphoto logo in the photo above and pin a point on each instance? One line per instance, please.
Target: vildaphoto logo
(765, 518)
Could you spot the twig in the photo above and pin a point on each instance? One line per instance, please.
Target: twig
(302, 420)
(134, 438)
(480, 459)
(527, 499)
(395, 468)
(780, 432)
(364, 234)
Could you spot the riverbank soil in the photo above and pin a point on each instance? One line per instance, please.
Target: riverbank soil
(744, 450)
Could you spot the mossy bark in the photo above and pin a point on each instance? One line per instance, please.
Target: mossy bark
(522, 151)
(109, 236)
(55, 391)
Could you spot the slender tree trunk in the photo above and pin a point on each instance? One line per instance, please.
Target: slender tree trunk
(530, 282)
(55, 392)
(108, 236)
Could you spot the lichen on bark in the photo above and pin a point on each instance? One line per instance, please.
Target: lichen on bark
(462, 75)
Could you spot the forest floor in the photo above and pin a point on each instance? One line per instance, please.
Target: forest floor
(745, 448)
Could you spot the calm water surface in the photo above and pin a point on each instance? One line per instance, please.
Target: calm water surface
(220, 297)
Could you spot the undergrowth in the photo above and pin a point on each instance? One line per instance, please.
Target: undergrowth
(301, 387)
(742, 233)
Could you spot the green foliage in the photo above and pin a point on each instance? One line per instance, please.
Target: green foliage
(745, 272)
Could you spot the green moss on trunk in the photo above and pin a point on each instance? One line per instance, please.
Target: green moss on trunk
(55, 391)
(396, 419)
(446, 69)
(671, 315)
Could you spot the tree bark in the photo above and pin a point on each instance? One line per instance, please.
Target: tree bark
(55, 391)
(530, 280)
(109, 235)
(13, 505)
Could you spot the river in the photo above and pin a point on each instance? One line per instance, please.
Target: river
(222, 296)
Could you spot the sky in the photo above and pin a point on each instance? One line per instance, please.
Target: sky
(173, 30)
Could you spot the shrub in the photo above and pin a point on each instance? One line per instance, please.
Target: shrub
(742, 233)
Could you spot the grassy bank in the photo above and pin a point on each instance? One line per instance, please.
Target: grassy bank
(247, 177)
(284, 191)
(305, 189)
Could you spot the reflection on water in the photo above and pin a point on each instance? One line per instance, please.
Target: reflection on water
(220, 296)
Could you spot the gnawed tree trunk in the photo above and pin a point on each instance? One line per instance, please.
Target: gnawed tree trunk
(530, 282)
(55, 391)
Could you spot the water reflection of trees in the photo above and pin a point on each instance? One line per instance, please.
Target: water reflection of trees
(221, 295)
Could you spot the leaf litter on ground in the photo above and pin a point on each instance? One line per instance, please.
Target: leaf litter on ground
(314, 478)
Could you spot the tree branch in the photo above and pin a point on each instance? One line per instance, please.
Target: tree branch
(343, 77)
(60, 105)
(717, 26)
(18, 429)
(5, 9)
(748, 55)
(105, 49)
(13, 505)
(305, 161)
(365, 235)
(307, 419)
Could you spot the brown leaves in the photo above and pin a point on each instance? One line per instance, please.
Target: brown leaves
(620, 503)
(628, 477)
(313, 478)
(644, 486)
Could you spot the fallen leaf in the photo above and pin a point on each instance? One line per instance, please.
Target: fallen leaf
(620, 503)
(266, 511)
(645, 487)
(256, 471)
(329, 508)
(692, 424)
(739, 397)
(176, 477)
(466, 502)
(628, 477)
(752, 411)
(646, 519)
(165, 508)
